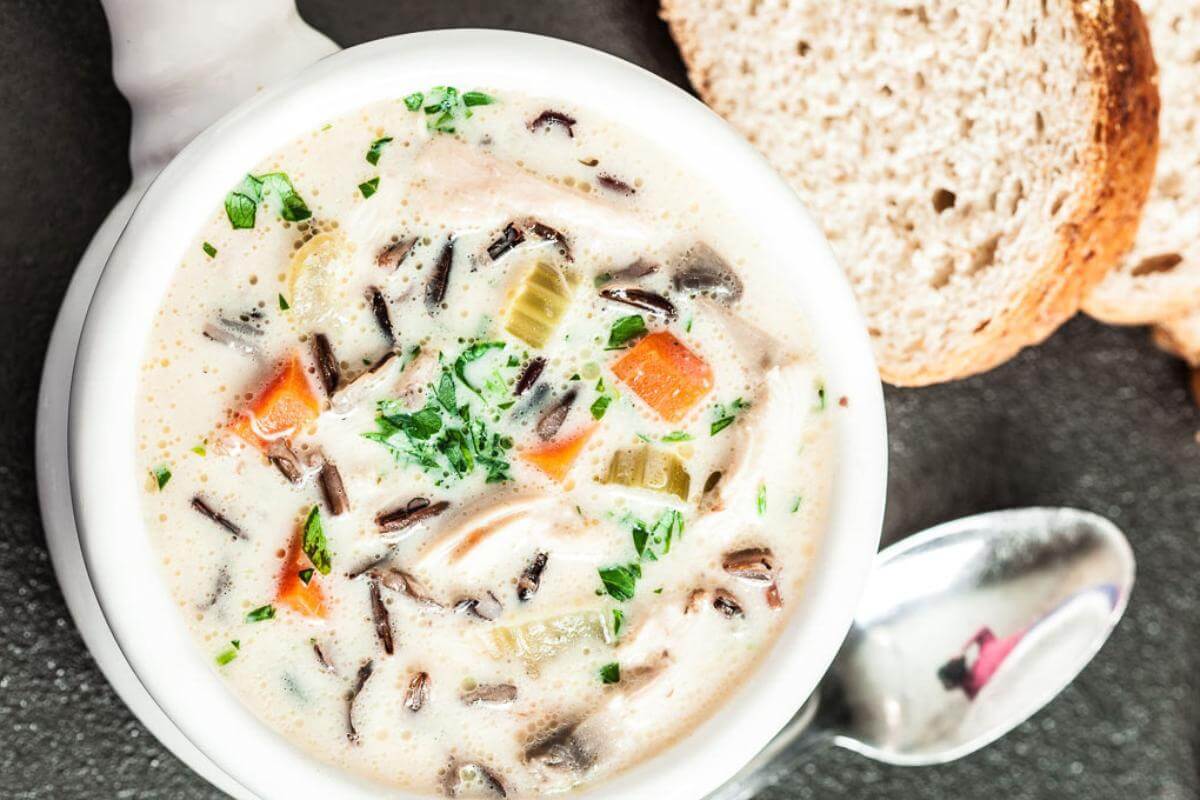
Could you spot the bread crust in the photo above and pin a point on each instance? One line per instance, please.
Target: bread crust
(1118, 173)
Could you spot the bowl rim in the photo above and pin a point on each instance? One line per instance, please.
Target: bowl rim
(120, 557)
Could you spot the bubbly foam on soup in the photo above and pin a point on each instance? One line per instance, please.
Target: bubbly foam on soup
(485, 451)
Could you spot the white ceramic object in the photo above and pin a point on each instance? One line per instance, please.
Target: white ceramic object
(175, 63)
(136, 629)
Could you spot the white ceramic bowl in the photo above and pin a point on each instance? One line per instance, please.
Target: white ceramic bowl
(106, 486)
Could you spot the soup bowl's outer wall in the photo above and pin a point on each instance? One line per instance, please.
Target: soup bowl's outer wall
(107, 487)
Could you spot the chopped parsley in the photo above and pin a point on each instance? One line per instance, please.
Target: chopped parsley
(445, 436)
(677, 436)
(228, 654)
(796, 503)
(283, 303)
(376, 149)
(625, 330)
(601, 403)
(201, 449)
(445, 107)
(820, 397)
(760, 502)
(610, 673)
(620, 581)
(724, 416)
(305, 576)
(370, 187)
(275, 188)
(161, 475)
(663, 531)
(209, 250)
(687, 326)
(314, 544)
(618, 621)
(261, 613)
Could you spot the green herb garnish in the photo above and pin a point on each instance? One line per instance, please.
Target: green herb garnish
(626, 329)
(444, 107)
(760, 502)
(618, 621)
(274, 188)
(314, 544)
(610, 673)
(261, 613)
(227, 655)
(687, 326)
(305, 576)
(209, 250)
(820, 397)
(796, 503)
(376, 149)
(283, 303)
(370, 187)
(677, 436)
(600, 406)
(621, 581)
(724, 416)
(664, 530)
(161, 475)
(201, 449)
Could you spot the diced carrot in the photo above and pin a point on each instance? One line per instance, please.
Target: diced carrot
(285, 406)
(556, 458)
(303, 598)
(668, 376)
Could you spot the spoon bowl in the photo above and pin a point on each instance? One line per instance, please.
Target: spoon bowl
(965, 631)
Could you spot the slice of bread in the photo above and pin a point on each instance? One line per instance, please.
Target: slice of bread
(1180, 336)
(977, 165)
(1160, 277)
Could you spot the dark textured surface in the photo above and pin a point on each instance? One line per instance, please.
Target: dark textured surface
(1096, 418)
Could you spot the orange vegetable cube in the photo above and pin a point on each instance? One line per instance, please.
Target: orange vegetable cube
(668, 376)
(285, 406)
(556, 458)
(306, 599)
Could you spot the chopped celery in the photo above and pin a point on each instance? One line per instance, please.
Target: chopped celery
(540, 304)
(537, 641)
(646, 467)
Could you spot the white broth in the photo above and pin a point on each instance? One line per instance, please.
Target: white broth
(484, 461)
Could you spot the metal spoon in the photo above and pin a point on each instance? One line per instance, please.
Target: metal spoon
(965, 631)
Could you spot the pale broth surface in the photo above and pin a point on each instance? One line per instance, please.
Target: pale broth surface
(549, 626)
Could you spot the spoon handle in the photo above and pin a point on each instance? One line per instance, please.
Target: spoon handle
(804, 734)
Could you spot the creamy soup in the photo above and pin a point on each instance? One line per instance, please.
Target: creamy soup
(484, 449)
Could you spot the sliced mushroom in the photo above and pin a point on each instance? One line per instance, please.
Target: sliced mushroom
(701, 270)
(529, 375)
(471, 776)
(640, 298)
(510, 237)
(360, 680)
(333, 489)
(220, 585)
(400, 581)
(394, 254)
(490, 694)
(439, 281)
(206, 510)
(286, 461)
(531, 578)
(638, 269)
(487, 608)
(327, 363)
(550, 118)
(552, 419)
(379, 308)
(614, 184)
(381, 618)
(416, 510)
(559, 747)
(239, 338)
(417, 692)
(751, 564)
(727, 604)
